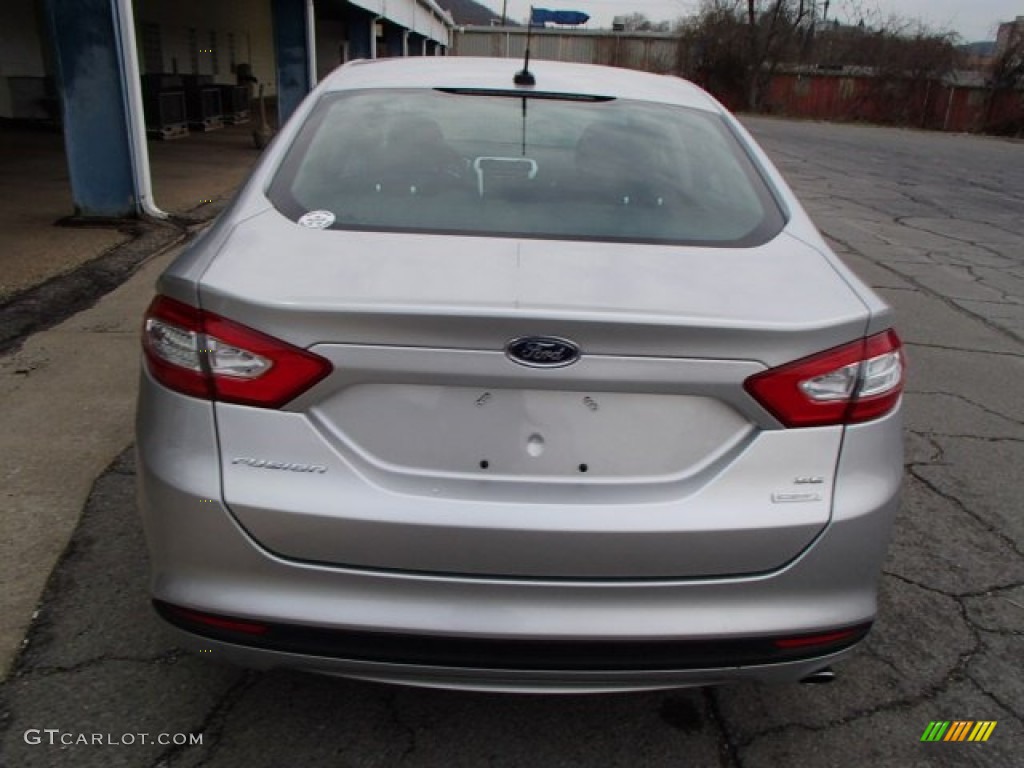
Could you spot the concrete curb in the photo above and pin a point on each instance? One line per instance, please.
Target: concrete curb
(45, 305)
(67, 397)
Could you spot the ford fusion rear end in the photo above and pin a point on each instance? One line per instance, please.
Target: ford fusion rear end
(518, 390)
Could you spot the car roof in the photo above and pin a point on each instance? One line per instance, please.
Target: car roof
(496, 74)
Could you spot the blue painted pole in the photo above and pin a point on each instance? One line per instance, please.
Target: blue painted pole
(93, 99)
(291, 46)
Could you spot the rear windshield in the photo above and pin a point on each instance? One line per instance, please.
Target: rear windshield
(542, 166)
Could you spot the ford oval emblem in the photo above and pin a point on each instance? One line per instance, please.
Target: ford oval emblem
(542, 352)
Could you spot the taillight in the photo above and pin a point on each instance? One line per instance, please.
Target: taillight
(203, 355)
(850, 384)
(825, 638)
(212, 621)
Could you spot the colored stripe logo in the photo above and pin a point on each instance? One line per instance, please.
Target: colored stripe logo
(958, 730)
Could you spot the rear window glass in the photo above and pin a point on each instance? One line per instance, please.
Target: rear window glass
(476, 163)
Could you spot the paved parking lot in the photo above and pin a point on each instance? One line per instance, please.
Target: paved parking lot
(936, 223)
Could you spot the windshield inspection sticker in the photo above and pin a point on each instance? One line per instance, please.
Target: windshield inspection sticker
(317, 219)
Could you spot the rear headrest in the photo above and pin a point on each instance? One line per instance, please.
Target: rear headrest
(414, 134)
(627, 151)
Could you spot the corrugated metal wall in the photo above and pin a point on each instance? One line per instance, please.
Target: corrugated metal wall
(650, 52)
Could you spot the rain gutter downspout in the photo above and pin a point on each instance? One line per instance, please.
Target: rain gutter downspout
(125, 34)
(311, 42)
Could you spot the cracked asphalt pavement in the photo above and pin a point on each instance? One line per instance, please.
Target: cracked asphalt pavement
(936, 224)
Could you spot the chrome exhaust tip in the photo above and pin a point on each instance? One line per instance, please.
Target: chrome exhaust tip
(820, 677)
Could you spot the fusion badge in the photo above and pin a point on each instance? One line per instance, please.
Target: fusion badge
(285, 465)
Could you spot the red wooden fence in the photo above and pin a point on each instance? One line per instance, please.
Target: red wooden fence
(918, 103)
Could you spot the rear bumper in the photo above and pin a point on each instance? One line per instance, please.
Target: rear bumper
(530, 680)
(203, 560)
(513, 654)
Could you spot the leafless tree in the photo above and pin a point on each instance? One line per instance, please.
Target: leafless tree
(908, 61)
(737, 47)
(746, 41)
(1006, 76)
(773, 29)
(714, 43)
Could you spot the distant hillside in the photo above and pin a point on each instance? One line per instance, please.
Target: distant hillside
(981, 48)
(472, 12)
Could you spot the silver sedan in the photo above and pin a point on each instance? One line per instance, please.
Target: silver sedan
(491, 384)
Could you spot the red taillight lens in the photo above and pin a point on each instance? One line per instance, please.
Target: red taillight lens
(847, 385)
(217, 622)
(203, 355)
(826, 638)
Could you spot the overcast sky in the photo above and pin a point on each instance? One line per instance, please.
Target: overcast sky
(972, 19)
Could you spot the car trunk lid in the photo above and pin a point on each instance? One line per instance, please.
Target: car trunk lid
(428, 449)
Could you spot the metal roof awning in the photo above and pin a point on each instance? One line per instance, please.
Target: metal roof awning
(424, 17)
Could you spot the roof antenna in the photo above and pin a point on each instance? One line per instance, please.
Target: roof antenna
(524, 126)
(525, 77)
